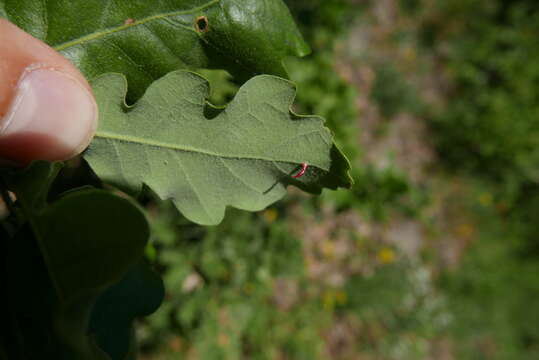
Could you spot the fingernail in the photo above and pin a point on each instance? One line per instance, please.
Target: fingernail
(55, 106)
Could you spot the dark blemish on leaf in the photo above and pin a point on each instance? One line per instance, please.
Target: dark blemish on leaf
(201, 24)
(302, 171)
(129, 21)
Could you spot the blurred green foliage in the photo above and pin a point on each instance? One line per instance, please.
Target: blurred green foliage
(490, 124)
(241, 290)
(488, 128)
(220, 285)
(249, 288)
(494, 293)
(392, 92)
(322, 91)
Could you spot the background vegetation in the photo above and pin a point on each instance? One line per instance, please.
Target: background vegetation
(434, 254)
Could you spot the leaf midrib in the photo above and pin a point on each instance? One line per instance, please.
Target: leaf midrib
(104, 33)
(152, 143)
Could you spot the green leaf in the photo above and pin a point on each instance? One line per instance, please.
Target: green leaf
(90, 239)
(243, 157)
(84, 229)
(139, 293)
(45, 327)
(32, 183)
(147, 39)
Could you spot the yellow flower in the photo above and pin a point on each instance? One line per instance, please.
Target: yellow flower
(270, 215)
(341, 297)
(328, 300)
(332, 298)
(328, 249)
(485, 199)
(465, 231)
(386, 256)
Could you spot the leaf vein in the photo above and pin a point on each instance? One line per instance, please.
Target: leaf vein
(238, 177)
(195, 191)
(129, 58)
(140, 141)
(101, 34)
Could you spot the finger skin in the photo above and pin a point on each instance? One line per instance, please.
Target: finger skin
(19, 50)
(19, 54)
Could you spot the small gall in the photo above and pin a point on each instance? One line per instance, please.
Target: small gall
(129, 21)
(201, 24)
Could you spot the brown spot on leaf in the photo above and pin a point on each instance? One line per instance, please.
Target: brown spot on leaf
(201, 24)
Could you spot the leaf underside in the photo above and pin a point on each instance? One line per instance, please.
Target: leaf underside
(243, 157)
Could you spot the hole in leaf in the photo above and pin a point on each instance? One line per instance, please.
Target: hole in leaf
(201, 24)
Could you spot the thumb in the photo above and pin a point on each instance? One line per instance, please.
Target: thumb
(47, 110)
